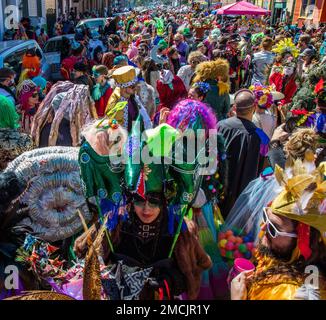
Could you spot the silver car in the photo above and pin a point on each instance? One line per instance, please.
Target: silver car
(12, 52)
(92, 24)
(53, 55)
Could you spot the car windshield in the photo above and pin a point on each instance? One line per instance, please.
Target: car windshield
(94, 24)
(52, 46)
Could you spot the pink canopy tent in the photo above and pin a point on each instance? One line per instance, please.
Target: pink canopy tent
(242, 8)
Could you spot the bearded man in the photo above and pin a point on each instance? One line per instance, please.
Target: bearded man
(292, 238)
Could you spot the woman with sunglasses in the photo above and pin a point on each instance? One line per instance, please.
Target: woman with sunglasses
(28, 98)
(292, 238)
(147, 236)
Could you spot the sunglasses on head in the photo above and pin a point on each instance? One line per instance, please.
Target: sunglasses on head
(272, 230)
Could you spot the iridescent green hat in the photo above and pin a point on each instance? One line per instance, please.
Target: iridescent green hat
(145, 170)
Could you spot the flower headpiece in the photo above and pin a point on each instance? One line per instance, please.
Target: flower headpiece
(204, 87)
(264, 97)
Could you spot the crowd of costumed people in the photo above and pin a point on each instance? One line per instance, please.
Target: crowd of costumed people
(101, 197)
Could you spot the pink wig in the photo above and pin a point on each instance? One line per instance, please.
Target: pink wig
(187, 111)
(24, 91)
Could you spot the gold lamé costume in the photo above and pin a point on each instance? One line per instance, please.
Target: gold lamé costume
(283, 284)
(273, 278)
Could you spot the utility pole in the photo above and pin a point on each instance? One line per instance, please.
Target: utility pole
(109, 8)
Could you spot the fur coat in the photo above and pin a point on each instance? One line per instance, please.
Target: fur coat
(190, 256)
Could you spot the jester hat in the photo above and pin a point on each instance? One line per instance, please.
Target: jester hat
(145, 169)
(189, 116)
(102, 175)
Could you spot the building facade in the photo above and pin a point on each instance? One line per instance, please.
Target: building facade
(11, 11)
(309, 12)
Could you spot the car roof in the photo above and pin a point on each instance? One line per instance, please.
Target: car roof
(88, 20)
(69, 36)
(5, 45)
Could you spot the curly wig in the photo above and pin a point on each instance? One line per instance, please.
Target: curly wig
(299, 142)
(32, 63)
(212, 70)
(186, 113)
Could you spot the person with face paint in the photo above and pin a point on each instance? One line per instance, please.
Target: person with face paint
(285, 81)
(143, 228)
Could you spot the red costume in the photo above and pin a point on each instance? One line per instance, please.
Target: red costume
(287, 86)
(101, 104)
(67, 65)
(169, 97)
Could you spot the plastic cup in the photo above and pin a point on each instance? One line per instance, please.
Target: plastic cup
(240, 265)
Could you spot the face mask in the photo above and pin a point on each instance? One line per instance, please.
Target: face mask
(288, 71)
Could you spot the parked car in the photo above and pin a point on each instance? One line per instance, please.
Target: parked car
(52, 53)
(12, 52)
(92, 24)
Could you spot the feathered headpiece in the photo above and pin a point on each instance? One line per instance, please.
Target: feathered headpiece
(286, 46)
(159, 24)
(188, 112)
(67, 100)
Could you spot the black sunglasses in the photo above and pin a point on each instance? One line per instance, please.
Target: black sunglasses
(153, 202)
